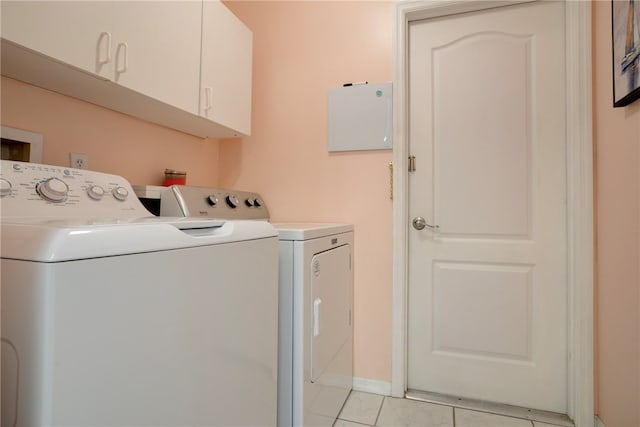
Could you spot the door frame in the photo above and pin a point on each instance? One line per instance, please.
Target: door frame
(580, 216)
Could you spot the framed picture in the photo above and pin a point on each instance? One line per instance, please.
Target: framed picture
(626, 51)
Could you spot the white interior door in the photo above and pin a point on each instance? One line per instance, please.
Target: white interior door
(487, 293)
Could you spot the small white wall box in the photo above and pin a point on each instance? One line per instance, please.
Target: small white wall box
(20, 145)
(361, 117)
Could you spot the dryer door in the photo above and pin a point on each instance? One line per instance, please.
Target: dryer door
(331, 294)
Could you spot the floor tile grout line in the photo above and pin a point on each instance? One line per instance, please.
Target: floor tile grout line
(375, 422)
(343, 405)
(355, 422)
(453, 416)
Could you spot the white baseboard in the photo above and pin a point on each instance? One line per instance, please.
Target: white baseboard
(372, 386)
(599, 422)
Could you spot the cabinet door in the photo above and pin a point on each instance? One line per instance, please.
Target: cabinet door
(225, 86)
(157, 50)
(74, 32)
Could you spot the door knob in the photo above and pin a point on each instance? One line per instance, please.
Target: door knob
(420, 223)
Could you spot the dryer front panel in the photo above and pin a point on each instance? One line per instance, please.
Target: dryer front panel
(330, 308)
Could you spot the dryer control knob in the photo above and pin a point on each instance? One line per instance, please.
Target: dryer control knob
(232, 201)
(95, 192)
(5, 187)
(250, 203)
(258, 202)
(120, 193)
(212, 200)
(53, 190)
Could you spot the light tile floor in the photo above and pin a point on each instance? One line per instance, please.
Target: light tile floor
(366, 409)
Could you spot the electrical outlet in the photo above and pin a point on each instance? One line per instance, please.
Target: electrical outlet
(78, 160)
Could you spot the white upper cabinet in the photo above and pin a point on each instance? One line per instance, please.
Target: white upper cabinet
(183, 64)
(74, 32)
(156, 50)
(225, 85)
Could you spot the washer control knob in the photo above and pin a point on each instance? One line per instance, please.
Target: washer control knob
(5, 187)
(250, 203)
(258, 202)
(232, 201)
(53, 190)
(212, 200)
(95, 192)
(120, 193)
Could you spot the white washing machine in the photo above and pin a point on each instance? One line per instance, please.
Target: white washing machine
(315, 373)
(113, 317)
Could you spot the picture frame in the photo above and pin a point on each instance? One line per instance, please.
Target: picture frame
(625, 35)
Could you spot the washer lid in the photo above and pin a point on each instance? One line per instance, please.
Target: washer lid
(309, 230)
(57, 240)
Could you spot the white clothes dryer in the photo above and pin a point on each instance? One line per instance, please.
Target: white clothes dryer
(113, 317)
(315, 310)
(315, 322)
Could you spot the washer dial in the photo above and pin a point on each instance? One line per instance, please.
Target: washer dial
(5, 187)
(95, 192)
(120, 193)
(53, 190)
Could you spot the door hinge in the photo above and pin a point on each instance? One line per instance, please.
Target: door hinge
(412, 163)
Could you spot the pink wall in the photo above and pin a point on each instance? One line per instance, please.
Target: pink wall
(617, 139)
(115, 143)
(301, 49)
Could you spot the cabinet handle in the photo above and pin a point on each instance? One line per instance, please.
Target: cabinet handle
(125, 48)
(208, 96)
(105, 35)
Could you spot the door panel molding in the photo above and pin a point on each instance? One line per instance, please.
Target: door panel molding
(500, 301)
(511, 128)
(579, 194)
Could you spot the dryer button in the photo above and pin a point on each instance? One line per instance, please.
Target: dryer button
(232, 201)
